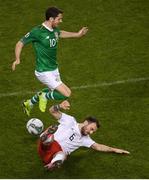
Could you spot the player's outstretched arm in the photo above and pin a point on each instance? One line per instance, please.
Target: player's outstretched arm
(104, 148)
(55, 110)
(18, 50)
(80, 33)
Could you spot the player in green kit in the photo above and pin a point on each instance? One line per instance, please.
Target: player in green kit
(44, 39)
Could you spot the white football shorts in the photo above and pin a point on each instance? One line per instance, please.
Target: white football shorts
(49, 78)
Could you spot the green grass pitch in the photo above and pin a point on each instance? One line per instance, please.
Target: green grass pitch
(115, 48)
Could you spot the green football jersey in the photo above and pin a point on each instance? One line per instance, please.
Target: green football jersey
(45, 45)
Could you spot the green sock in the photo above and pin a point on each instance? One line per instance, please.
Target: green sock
(34, 99)
(45, 90)
(55, 95)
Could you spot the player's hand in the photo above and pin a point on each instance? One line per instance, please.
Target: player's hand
(16, 62)
(65, 105)
(121, 151)
(82, 31)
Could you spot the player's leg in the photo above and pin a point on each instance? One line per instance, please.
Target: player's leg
(56, 90)
(44, 152)
(47, 136)
(29, 103)
(51, 154)
(57, 160)
(59, 91)
(64, 90)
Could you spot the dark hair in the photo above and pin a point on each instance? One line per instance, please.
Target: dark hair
(52, 12)
(92, 119)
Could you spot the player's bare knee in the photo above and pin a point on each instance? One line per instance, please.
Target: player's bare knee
(69, 93)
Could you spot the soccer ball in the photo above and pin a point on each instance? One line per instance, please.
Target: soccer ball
(35, 126)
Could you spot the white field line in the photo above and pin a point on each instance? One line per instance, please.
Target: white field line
(100, 84)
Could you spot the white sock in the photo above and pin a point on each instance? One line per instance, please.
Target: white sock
(59, 156)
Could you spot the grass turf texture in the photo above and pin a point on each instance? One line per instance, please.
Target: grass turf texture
(115, 48)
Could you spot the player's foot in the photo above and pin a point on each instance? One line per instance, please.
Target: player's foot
(56, 164)
(42, 102)
(27, 107)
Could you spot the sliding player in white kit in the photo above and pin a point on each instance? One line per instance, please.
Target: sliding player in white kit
(56, 144)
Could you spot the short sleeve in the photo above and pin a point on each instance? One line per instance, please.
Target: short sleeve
(67, 119)
(29, 37)
(87, 141)
(58, 31)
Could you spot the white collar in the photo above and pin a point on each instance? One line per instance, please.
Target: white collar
(50, 29)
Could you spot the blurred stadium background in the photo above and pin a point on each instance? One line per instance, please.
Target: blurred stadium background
(111, 62)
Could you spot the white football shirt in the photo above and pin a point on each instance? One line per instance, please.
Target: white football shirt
(69, 136)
